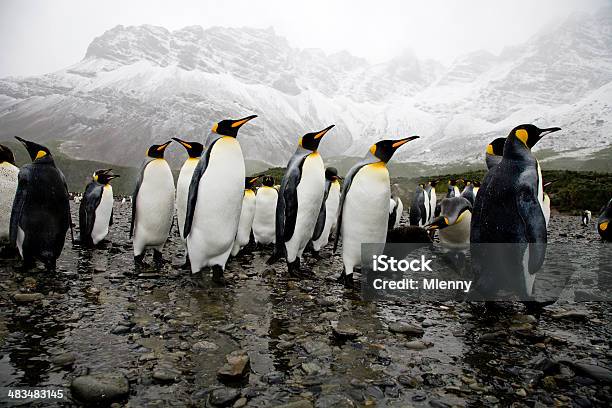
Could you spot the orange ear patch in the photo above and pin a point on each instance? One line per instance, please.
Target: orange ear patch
(522, 135)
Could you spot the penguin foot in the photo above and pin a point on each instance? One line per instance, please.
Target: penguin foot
(273, 259)
(294, 269)
(139, 261)
(346, 280)
(195, 280)
(158, 258)
(187, 265)
(217, 276)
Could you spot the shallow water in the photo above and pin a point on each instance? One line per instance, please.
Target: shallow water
(98, 307)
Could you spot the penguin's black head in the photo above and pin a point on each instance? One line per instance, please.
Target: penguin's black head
(104, 176)
(452, 182)
(476, 183)
(6, 155)
(496, 147)
(194, 149)
(157, 151)
(229, 127)
(331, 174)
(530, 134)
(35, 150)
(385, 149)
(452, 211)
(268, 181)
(249, 183)
(310, 141)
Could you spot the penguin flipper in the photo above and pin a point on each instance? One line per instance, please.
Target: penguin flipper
(135, 193)
(322, 214)
(194, 186)
(23, 179)
(87, 210)
(345, 189)
(290, 206)
(534, 224)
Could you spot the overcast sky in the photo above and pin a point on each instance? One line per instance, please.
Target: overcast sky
(38, 36)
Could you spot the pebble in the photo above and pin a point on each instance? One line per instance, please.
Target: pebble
(27, 297)
(100, 388)
(418, 345)
(296, 404)
(236, 367)
(166, 375)
(223, 397)
(64, 359)
(405, 328)
(203, 345)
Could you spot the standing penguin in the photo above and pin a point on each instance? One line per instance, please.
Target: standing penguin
(96, 208)
(40, 216)
(364, 204)
(430, 189)
(215, 199)
(396, 208)
(299, 201)
(454, 221)
(194, 151)
(476, 189)
(494, 152)
(603, 222)
(247, 214)
(152, 205)
(419, 210)
(468, 192)
(453, 190)
(586, 218)
(8, 186)
(508, 209)
(264, 222)
(329, 209)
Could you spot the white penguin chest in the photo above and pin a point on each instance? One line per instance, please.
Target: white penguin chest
(311, 188)
(8, 187)
(103, 215)
(155, 200)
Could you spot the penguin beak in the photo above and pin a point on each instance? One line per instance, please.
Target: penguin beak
(253, 180)
(182, 142)
(323, 132)
(549, 183)
(240, 122)
(161, 148)
(437, 223)
(544, 132)
(396, 145)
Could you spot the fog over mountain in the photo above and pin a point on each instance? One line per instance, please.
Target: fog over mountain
(141, 84)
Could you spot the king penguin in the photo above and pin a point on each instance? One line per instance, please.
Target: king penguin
(586, 218)
(508, 210)
(419, 210)
(603, 221)
(215, 199)
(396, 208)
(468, 192)
(40, 216)
(194, 151)
(364, 204)
(299, 201)
(494, 152)
(152, 205)
(264, 222)
(453, 190)
(453, 224)
(96, 208)
(329, 209)
(8, 186)
(247, 214)
(430, 189)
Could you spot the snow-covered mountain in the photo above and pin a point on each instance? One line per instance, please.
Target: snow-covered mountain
(138, 85)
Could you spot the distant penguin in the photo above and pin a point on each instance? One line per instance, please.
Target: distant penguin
(494, 152)
(603, 222)
(476, 189)
(468, 192)
(453, 224)
(430, 190)
(8, 186)
(40, 216)
(299, 201)
(396, 208)
(264, 223)
(194, 151)
(586, 218)
(215, 199)
(364, 204)
(96, 209)
(247, 214)
(123, 201)
(508, 209)
(329, 209)
(419, 210)
(152, 205)
(453, 190)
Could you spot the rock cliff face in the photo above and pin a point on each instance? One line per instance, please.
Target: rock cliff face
(137, 85)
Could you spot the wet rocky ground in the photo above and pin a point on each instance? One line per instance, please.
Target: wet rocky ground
(107, 334)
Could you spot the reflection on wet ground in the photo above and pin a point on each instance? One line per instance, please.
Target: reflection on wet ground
(309, 342)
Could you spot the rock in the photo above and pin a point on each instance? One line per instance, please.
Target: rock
(408, 381)
(345, 331)
(27, 297)
(203, 346)
(100, 388)
(274, 377)
(405, 328)
(549, 383)
(120, 329)
(237, 366)
(521, 392)
(601, 374)
(240, 402)
(334, 401)
(223, 397)
(418, 345)
(296, 404)
(64, 359)
(439, 404)
(311, 368)
(571, 314)
(166, 375)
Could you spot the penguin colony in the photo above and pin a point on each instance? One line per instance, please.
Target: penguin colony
(220, 210)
